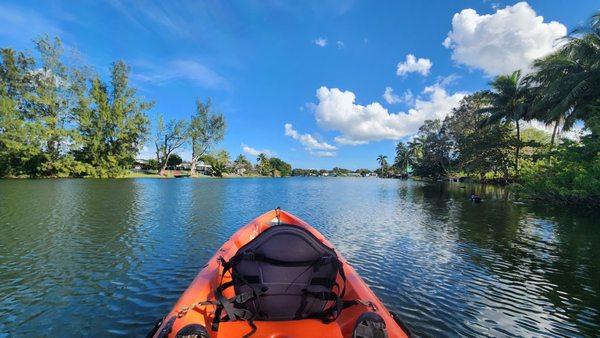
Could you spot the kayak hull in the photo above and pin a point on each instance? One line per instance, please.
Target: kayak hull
(187, 311)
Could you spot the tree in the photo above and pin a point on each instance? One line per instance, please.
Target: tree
(435, 147)
(279, 167)
(263, 165)
(167, 139)
(218, 161)
(508, 103)
(566, 81)
(112, 123)
(21, 135)
(478, 149)
(382, 160)
(402, 158)
(205, 130)
(174, 160)
(241, 164)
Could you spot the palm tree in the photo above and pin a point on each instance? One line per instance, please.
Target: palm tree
(508, 102)
(263, 163)
(382, 159)
(242, 164)
(262, 157)
(566, 82)
(402, 155)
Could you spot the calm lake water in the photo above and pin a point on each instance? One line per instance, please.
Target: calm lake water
(109, 257)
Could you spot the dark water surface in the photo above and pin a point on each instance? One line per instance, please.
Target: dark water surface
(109, 257)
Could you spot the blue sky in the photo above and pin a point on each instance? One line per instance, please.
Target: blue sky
(306, 81)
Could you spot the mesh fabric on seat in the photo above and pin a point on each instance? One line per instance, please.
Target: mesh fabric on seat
(285, 261)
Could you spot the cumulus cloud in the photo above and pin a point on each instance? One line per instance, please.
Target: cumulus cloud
(310, 143)
(502, 42)
(392, 98)
(360, 124)
(320, 41)
(255, 152)
(414, 65)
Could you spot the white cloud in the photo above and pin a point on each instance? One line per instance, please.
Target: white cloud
(340, 44)
(392, 98)
(310, 143)
(324, 154)
(502, 42)
(359, 124)
(320, 41)
(414, 65)
(255, 152)
(182, 69)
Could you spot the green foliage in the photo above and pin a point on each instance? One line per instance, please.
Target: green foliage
(567, 175)
(218, 161)
(205, 130)
(242, 164)
(55, 121)
(168, 138)
(402, 159)
(174, 160)
(263, 166)
(478, 148)
(305, 172)
(383, 165)
(279, 167)
(112, 124)
(475, 138)
(218, 168)
(431, 148)
(509, 102)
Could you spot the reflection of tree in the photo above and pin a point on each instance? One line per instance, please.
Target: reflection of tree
(546, 257)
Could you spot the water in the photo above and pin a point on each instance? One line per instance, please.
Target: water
(109, 257)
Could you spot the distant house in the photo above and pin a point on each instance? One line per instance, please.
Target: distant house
(141, 165)
(184, 166)
(203, 168)
(240, 171)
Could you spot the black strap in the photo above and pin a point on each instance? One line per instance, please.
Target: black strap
(232, 312)
(229, 304)
(252, 256)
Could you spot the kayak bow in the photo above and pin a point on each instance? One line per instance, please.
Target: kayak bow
(278, 277)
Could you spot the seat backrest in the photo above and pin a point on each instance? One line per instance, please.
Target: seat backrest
(285, 261)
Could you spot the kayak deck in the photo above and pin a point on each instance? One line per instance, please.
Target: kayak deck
(190, 309)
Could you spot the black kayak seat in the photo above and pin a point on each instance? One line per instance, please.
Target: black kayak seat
(293, 271)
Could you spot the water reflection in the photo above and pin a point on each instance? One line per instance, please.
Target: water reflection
(102, 257)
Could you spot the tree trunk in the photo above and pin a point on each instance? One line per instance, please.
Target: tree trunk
(193, 165)
(518, 148)
(554, 133)
(164, 166)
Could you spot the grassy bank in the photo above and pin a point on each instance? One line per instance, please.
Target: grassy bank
(132, 174)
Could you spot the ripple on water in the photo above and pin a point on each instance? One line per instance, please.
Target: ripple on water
(109, 257)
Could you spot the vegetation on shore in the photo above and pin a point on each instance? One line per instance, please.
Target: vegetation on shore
(61, 119)
(483, 138)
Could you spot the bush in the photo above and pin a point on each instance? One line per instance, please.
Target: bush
(569, 175)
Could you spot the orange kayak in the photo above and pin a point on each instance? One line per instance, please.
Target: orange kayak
(278, 277)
